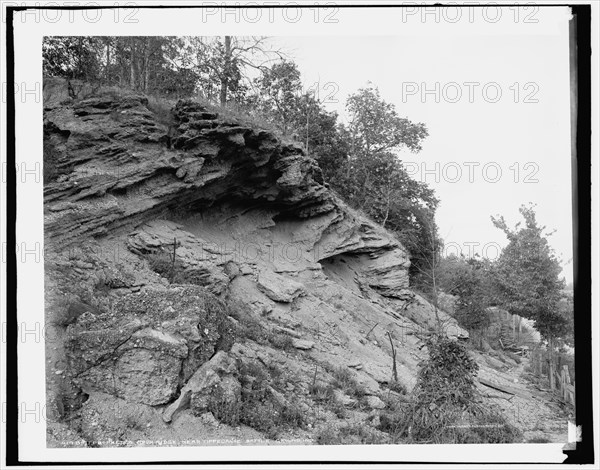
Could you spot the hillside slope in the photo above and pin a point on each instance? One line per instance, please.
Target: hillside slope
(205, 286)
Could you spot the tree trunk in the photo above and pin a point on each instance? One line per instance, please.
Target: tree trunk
(80, 71)
(132, 64)
(387, 208)
(107, 68)
(226, 71)
(551, 372)
(146, 65)
(307, 115)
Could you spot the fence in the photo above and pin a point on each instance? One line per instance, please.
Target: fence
(559, 381)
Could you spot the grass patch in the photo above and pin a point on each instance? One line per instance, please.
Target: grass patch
(234, 112)
(260, 407)
(281, 341)
(322, 392)
(538, 440)
(355, 433)
(161, 108)
(397, 387)
(344, 380)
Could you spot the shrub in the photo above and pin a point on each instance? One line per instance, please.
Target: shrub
(344, 380)
(258, 408)
(281, 341)
(443, 406)
(162, 264)
(321, 391)
(225, 410)
(397, 387)
(161, 108)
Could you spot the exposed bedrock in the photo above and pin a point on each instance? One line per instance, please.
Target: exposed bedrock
(160, 232)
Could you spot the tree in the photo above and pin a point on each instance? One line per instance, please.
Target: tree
(71, 57)
(279, 89)
(224, 63)
(376, 127)
(374, 179)
(469, 279)
(278, 95)
(527, 278)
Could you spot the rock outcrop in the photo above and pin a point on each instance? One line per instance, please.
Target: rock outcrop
(149, 344)
(114, 170)
(218, 237)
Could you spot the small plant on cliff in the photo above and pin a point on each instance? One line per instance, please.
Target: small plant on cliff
(262, 407)
(345, 380)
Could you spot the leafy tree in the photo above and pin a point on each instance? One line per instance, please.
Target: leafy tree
(280, 87)
(72, 57)
(469, 279)
(376, 127)
(527, 275)
(527, 279)
(374, 179)
(326, 140)
(280, 98)
(224, 63)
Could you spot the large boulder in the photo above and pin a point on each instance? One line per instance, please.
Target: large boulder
(279, 288)
(150, 342)
(215, 378)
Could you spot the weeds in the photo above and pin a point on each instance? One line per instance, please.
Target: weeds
(355, 433)
(344, 380)
(281, 341)
(397, 387)
(322, 392)
(161, 108)
(259, 408)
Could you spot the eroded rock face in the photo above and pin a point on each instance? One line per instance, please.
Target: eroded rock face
(112, 170)
(246, 215)
(151, 342)
(112, 166)
(197, 262)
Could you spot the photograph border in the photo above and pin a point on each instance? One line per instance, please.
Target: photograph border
(580, 39)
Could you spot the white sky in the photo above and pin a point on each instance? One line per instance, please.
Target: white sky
(505, 134)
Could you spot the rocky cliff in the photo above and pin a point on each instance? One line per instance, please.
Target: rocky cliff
(204, 282)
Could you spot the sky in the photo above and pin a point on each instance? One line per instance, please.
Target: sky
(497, 108)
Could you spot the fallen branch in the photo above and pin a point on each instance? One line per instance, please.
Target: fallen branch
(367, 335)
(503, 388)
(394, 368)
(498, 396)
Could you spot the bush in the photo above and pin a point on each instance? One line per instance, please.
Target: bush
(281, 341)
(443, 406)
(344, 380)
(162, 264)
(397, 387)
(321, 391)
(161, 108)
(258, 408)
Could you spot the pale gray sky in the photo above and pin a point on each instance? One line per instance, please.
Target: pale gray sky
(508, 153)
